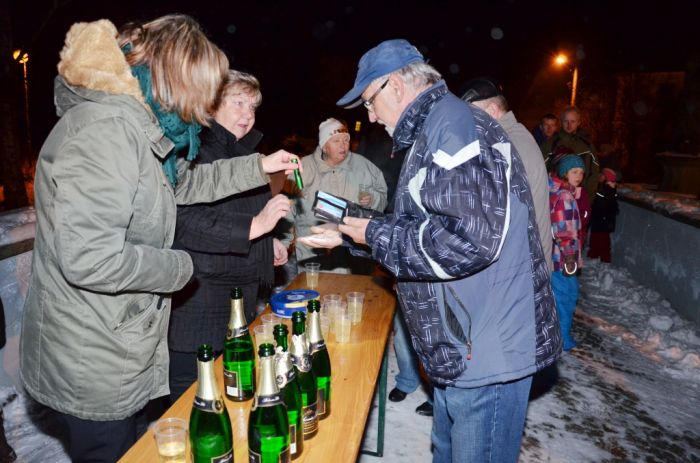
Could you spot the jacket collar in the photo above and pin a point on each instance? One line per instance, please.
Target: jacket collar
(411, 121)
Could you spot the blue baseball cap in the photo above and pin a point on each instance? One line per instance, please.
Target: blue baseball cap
(383, 59)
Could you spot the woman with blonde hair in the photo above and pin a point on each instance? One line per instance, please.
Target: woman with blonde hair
(93, 342)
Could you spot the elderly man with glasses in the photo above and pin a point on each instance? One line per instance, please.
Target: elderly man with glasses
(473, 283)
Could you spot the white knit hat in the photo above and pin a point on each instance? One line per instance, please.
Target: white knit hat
(328, 128)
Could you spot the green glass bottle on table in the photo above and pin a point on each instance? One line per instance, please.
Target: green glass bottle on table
(239, 353)
(268, 425)
(288, 384)
(320, 361)
(211, 439)
(307, 381)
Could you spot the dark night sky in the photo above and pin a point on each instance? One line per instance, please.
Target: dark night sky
(305, 53)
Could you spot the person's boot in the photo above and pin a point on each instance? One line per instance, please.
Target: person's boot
(397, 395)
(425, 409)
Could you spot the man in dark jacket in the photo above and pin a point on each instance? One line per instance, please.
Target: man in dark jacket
(463, 243)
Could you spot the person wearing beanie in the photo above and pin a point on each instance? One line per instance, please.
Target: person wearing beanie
(333, 168)
(603, 216)
(566, 253)
(572, 169)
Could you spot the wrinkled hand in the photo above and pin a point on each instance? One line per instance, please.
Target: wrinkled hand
(365, 199)
(570, 265)
(265, 221)
(324, 236)
(281, 160)
(280, 251)
(355, 228)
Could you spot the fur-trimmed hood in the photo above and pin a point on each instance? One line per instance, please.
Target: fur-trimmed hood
(92, 65)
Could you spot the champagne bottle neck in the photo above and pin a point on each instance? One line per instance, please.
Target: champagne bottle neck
(315, 334)
(267, 384)
(237, 319)
(207, 389)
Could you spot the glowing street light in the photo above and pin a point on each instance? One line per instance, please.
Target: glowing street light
(560, 60)
(22, 58)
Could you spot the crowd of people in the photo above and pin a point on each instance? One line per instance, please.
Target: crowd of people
(152, 203)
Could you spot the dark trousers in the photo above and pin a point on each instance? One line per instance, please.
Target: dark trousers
(182, 373)
(599, 246)
(98, 441)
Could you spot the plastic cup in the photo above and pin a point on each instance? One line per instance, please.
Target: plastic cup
(355, 305)
(270, 319)
(171, 440)
(263, 334)
(343, 326)
(330, 300)
(325, 326)
(312, 271)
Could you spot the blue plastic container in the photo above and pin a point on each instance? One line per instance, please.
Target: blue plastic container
(285, 303)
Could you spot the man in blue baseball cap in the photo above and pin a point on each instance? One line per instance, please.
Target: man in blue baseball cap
(472, 281)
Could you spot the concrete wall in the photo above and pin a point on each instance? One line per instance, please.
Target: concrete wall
(661, 253)
(16, 240)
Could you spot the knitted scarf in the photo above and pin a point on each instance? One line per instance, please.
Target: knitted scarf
(178, 131)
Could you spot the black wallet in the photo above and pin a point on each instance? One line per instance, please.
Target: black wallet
(333, 208)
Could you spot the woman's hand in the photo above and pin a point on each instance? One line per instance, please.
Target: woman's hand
(276, 208)
(280, 251)
(281, 160)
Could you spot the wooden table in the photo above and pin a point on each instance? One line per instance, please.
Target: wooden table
(355, 369)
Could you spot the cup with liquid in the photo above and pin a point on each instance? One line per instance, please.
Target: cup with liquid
(355, 305)
(312, 271)
(171, 439)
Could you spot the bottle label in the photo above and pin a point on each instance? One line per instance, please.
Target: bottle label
(321, 402)
(236, 332)
(225, 458)
(213, 406)
(293, 439)
(254, 457)
(269, 400)
(232, 384)
(310, 419)
(302, 362)
(317, 346)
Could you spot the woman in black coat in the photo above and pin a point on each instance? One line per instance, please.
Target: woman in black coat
(229, 240)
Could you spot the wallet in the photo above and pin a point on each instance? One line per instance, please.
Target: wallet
(333, 208)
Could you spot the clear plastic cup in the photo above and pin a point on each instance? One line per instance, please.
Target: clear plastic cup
(270, 319)
(343, 326)
(330, 300)
(312, 271)
(325, 327)
(355, 305)
(263, 334)
(171, 439)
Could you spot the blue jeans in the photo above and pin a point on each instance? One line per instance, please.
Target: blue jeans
(485, 423)
(565, 290)
(408, 378)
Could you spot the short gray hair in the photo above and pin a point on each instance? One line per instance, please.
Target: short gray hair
(417, 75)
(241, 82)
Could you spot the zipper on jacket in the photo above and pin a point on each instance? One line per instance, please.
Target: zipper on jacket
(468, 340)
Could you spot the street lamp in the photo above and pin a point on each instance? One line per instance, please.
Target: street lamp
(560, 60)
(22, 58)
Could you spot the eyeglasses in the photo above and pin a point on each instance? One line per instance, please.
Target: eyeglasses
(368, 103)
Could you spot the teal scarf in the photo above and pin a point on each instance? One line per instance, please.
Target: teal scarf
(178, 131)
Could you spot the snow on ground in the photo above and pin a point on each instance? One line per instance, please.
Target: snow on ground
(630, 391)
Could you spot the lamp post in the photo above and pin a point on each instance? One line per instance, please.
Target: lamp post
(22, 58)
(560, 60)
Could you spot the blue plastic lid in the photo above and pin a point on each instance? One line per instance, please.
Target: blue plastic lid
(285, 303)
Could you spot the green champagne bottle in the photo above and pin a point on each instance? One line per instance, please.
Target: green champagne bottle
(289, 388)
(239, 353)
(320, 361)
(211, 439)
(268, 425)
(307, 381)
